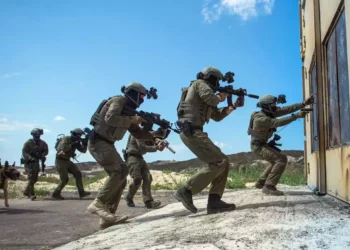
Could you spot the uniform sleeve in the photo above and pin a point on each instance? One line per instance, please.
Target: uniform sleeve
(113, 116)
(140, 133)
(218, 114)
(145, 148)
(288, 109)
(45, 151)
(272, 122)
(206, 93)
(26, 150)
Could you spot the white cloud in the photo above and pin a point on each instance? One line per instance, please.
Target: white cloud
(243, 8)
(9, 75)
(47, 130)
(220, 144)
(2, 139)
(59, 118)
(6, 125)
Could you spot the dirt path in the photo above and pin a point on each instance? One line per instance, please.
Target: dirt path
(45, 223)
(299, 220)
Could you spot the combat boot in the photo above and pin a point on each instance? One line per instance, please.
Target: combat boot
(129, 202)
(83, 194)
(216, 205)
(152, 204)
(57, 196)
(259, 185)
(100, 209)
(271, 190)
(185, 197)
(107, 223)
(32, 197)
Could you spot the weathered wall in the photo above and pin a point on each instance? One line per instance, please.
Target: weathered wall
(308, 33)
(338, 159)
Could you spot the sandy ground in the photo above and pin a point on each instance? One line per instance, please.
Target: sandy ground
(45, 223)
(297, 220)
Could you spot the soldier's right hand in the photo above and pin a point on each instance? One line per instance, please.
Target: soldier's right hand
(222, 96)
(301, 114)
(160, 147)
(136, 119)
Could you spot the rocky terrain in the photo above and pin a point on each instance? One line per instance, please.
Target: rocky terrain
(166, 174)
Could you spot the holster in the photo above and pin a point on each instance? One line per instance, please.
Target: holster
(186, 128)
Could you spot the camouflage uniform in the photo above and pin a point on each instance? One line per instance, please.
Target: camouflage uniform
(110, 126)
(30, 150)
(262, 126)
(138, 170)
(64, 165)
(197, 106)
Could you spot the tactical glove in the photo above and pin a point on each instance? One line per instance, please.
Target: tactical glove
(309, 100)
(136, 119)
(239, 101)
(301, 114)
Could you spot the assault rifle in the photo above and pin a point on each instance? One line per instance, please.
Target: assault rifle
(165, 144)
(39, 156)
(272, 143)
(152, 118)
(228, 77)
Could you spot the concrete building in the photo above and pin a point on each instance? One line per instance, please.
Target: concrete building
(324, 43)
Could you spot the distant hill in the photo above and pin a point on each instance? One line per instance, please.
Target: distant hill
(295, 157)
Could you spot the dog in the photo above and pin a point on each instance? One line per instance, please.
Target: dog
(7, 172)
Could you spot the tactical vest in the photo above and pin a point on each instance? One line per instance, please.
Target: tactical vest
(111, 133)
(256, 132)
(192, 108)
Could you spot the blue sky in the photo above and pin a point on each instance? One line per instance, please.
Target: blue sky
(60, 59)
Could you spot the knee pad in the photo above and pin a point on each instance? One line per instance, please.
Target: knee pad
(137, 181)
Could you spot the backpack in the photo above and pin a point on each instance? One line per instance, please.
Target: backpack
(58, 140)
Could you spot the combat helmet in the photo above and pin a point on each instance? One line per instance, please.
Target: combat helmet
(77, 132)
(265, 103)
(37, 132)
(133, 90)
(211, 74)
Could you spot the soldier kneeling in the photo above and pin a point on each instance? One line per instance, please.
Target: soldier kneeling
(262, 126)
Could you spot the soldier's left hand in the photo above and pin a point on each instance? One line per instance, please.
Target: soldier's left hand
(309, 100)
(239, 101)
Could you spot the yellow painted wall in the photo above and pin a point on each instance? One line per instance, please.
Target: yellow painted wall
(309, 33)
(337, 160)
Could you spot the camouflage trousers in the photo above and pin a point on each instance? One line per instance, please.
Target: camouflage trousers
(217, 168)
(140, 173)
(33, 170)
(278, 163)
(63, 168)
(107, 156)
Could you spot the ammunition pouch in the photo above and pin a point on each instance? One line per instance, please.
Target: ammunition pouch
(126, 155)
(187, 128)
